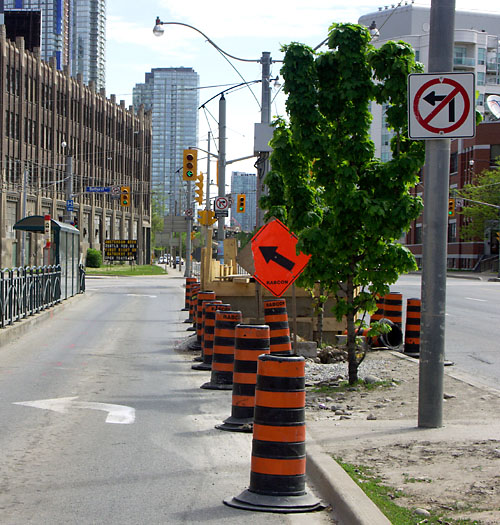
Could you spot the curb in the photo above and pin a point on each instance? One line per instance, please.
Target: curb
(11, 332)
(350, 504)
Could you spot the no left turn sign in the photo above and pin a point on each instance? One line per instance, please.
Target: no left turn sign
(441, 105)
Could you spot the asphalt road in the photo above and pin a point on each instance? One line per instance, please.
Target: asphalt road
(81, 459)
(472, 314)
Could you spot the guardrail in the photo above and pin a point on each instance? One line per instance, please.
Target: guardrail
(27, 291)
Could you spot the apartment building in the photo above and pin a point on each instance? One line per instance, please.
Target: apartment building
(476, 50)
(244, 184)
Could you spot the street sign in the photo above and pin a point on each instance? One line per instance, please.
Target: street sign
(188, 212)
(98, 189)
(46, 227)
(441, 105)
(70, 204)
(276, 263)
(221, 204)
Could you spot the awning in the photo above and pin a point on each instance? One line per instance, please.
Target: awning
(35, 223)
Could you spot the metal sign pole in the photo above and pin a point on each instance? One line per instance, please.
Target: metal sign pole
(435, 229)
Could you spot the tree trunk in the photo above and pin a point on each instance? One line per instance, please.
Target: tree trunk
(351, 334)
(321, 315)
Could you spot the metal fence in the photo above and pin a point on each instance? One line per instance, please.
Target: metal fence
(27, 291)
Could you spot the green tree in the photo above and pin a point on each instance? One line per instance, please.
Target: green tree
(347, 207)
(483, 191)
(158, 211)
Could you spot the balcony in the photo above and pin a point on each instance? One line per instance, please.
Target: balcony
(464, 61)
(493, 66)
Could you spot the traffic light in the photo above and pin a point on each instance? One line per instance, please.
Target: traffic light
(189, 164)
(451, 207)
(199, 189)
(241, 203)
(125, 196)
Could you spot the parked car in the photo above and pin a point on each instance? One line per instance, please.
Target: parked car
(177, 259)
(162, 260)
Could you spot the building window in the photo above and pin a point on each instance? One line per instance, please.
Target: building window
(452, 232)
(417, 55)
(418, 234)
(494, 154)
(481, 77)
(453, 163)
(480, 99)
(481, 56)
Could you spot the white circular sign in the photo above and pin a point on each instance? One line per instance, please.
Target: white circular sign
(221, 203)
(188, 212)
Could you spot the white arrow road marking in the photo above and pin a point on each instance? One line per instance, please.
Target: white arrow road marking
(120, 414)
(141, 295)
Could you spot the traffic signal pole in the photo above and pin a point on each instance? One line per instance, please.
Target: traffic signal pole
(435, 229)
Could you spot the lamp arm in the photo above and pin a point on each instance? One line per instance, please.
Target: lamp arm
(159, 22)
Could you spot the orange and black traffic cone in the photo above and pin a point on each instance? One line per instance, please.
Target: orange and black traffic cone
(393, 308)
(205, 295)
(203, 307)
(250, 342)
(278, 469)
(189, 282)
(223, 356)
(412, 328)
(195, 288)
(207, 350)
(276, 317)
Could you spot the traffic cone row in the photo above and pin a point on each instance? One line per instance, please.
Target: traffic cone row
(268, 397)
(390, 311)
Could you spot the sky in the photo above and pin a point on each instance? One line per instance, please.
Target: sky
(242, 29)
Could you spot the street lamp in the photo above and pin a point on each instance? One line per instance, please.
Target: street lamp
(263, 166)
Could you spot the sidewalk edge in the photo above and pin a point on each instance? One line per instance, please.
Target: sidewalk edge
(350, 504)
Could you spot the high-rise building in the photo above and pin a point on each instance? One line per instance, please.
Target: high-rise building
(244, 184)
(71, 31)
(476, 50)
(172, 96)
(88, 50)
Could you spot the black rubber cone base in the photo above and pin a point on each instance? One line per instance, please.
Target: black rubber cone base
(188, 321)
(191, 329)
(198, 359)
(215, 386)
(411, 354)
(202, 366)
(185, 309)
(234, 424)
(283, 504)
(195, 346)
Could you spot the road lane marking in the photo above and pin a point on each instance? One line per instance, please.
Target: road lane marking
(141, 295)
(480, 300)
(119, 414)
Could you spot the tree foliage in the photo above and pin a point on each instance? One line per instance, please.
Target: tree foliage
(347, 208)
(483, 191)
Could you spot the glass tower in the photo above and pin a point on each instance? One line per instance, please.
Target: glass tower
(71, 31)
(172, 96)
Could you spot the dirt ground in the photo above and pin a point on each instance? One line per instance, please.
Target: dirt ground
(454, 469)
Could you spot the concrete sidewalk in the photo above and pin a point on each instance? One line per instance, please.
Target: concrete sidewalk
(381, 432)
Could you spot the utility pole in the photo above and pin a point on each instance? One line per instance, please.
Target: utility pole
(435, 229)
(221, 175)
(265, 118)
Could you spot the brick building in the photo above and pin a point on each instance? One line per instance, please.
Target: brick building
(468, 157)
(47, 116)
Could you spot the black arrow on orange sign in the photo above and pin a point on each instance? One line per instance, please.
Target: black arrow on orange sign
(270, 253)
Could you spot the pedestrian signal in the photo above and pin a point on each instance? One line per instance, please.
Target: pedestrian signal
(189, 164)
(241, 203)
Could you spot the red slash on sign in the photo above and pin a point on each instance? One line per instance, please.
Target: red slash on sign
(446, 100)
